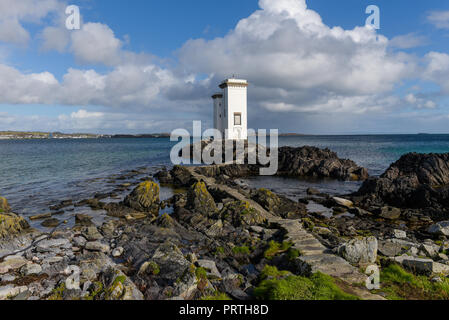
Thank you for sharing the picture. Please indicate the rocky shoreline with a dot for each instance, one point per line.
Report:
(224, 240)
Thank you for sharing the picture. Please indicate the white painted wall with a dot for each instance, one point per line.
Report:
(234, 101)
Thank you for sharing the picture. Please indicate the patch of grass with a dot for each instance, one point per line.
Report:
(217, 296)
(244, 250)
(275, 248)
(282, 285)
(398, 284)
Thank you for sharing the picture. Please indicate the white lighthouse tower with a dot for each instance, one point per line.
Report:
(231, 109)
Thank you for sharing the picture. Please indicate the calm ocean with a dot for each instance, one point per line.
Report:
(35, 174)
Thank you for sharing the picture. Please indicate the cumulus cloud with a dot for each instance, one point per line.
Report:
(440, 19)
(287, 49)
(96, 43)
(13, 13)
(300, 71)
(438, 69)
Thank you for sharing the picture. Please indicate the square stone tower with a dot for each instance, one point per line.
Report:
(231, 109)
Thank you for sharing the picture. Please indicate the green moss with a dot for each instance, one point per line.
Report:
(308, 223)
(281, 285)
(153, 268)
(275, 248)
(219, 251)
(57, 293)
(201, 273)
(244, 250)
(217, 296)
(398, 284)
(99, 289)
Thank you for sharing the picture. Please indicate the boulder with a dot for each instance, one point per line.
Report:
(171, 262)
(240, 213)
(359, 251)
(423, 266)
(278, 205)
(414, 181)
(390, 213)
(389, 248)
(343, 202)
(12, 263)
(144, 198)
(11, 224)
(210, 267)
(399, 234)
(31, 269)
(119, 286)
(441, 228)
(97, 246)
(200, 200)
(314, 162)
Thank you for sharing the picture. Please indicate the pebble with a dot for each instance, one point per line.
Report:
(117, 252)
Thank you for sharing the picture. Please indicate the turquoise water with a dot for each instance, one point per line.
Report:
(34, 174)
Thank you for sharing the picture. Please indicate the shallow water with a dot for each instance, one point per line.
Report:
(35, 174)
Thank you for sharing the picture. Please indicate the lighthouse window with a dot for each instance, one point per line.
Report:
(237, 119)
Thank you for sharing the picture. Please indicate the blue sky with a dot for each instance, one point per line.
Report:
(150, 66)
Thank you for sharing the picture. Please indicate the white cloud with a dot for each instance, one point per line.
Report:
(14, 12)
(408, 41)
(287, 49)
(55, 38)
(96, 43)
(437, 69)
(440, 19)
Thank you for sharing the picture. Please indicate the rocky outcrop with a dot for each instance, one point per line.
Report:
(200, 200)
(278, 205)
(11, 224)
(145, 198)
(240, 213)
(319, 163)
(414, 181)
(359, 251)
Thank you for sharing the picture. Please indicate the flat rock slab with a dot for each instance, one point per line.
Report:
(12, 264)
(8, 292)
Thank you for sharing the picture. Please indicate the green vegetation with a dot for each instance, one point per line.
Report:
(201, 273)
(57, 293)
(153, 268)
(275, 248)
(219, 251)
(244, 250)
(282, 285)
(399, 284)
(217, 296)
(292, 254)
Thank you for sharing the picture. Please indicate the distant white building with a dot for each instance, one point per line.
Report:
(230, 109)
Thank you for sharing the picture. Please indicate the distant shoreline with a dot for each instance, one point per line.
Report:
(31, 135)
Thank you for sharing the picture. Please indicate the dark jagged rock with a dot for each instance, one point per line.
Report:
(414, 181)
(144, 198)
(319, 163)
